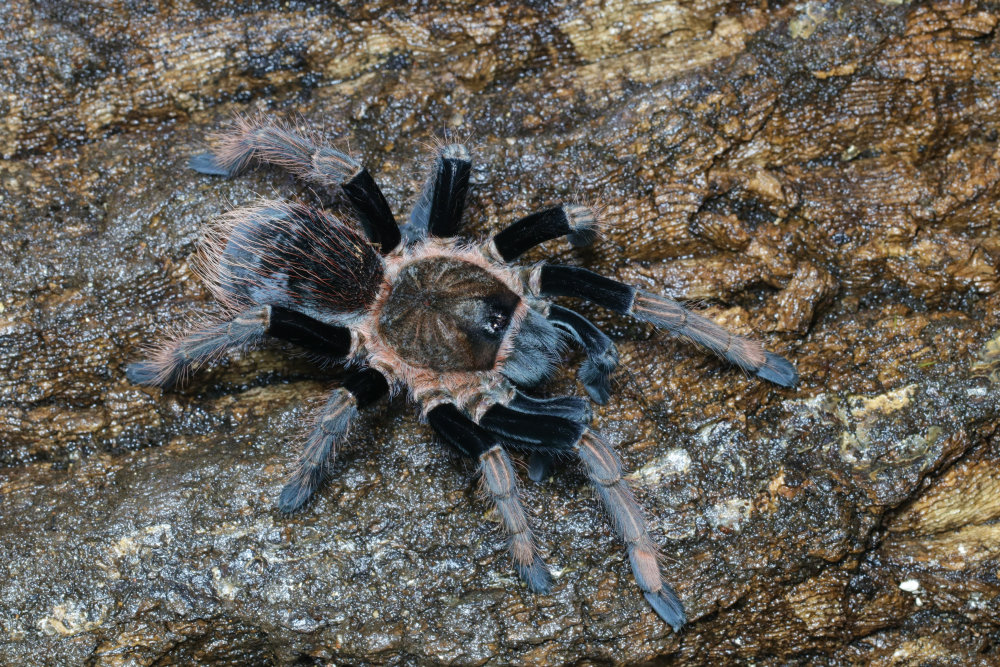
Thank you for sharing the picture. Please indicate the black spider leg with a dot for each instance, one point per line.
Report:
(567, 407)
(544, 434)
(359, 390)
(268, 142)
(373, 210)
(602, 355)
(669, 315)
(499, 483)
(441, 204)
(552, 434)
(173, 361)
(577, 223)
(534, 432)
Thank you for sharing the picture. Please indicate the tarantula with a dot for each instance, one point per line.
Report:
(457, 324)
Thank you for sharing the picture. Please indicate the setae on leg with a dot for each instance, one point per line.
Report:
(667, 314)
(605, 471)
(499, 484)
(579, 224)
(173, 361)
(602, 355)
(441, 205)
(266, 141)
(360, 390)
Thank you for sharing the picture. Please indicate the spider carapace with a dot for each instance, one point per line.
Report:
(459, 325)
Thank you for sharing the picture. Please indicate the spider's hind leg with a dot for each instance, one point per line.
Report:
(177, 358)
(276, 143)
(499, 484)
(605, 471)
(360, 390)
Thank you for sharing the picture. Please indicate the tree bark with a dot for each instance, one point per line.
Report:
(824, 176)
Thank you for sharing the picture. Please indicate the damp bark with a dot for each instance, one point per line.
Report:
(824, 176)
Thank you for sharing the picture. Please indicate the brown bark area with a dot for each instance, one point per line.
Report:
(826, 175)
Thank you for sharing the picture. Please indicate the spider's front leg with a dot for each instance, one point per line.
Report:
(499, 483)
(579, 224)
(439, 209)
(562, 407)
(175, 359)
(666, 314)
(360, 390)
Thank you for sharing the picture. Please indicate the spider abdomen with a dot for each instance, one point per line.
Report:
(291, 255)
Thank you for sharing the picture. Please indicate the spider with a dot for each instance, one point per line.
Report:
(457, 324)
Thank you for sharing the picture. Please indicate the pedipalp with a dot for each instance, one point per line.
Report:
(602, 355)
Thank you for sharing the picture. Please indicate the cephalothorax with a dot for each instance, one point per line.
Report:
(458, 325)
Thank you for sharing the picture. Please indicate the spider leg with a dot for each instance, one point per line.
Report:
(535, 432)
(174, 360)
(605, 471)
(577, 223)
(254, 138)
(539, 465)
(439, 209)
(499, 483)
(602, 355)
(548, 435)
(666, 314)
(567, 407)
(360, 390)
(308, 333)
